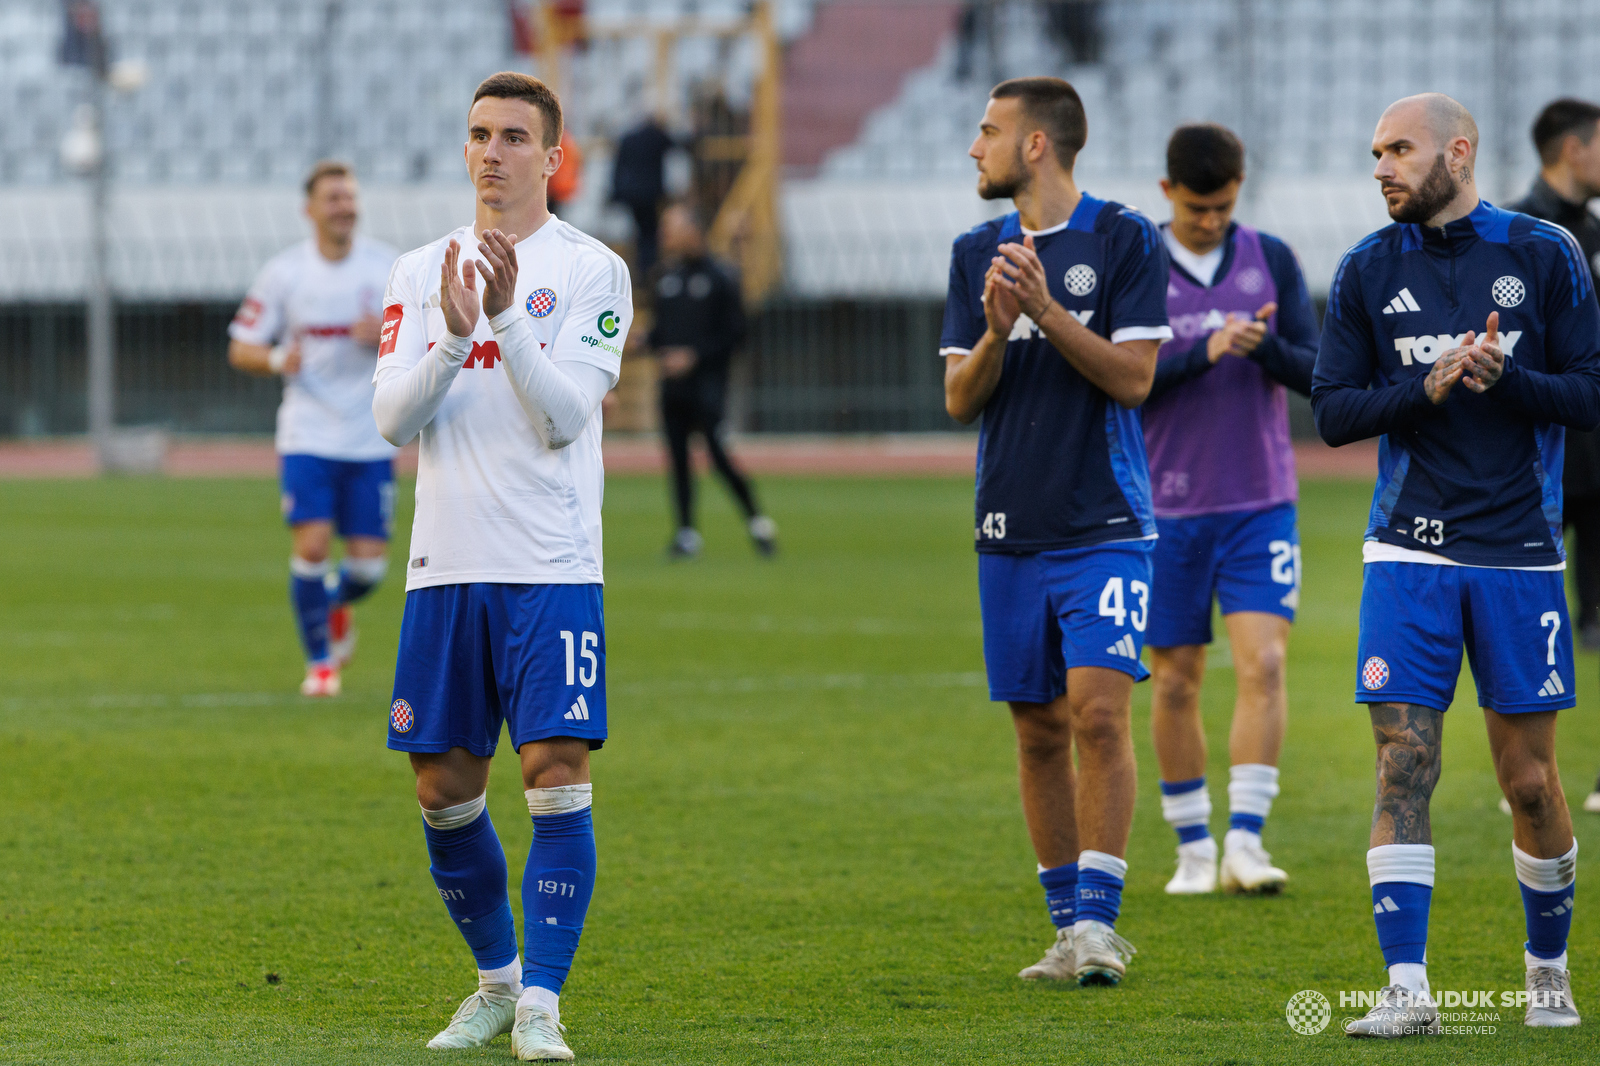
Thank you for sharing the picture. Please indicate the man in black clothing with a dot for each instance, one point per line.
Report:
(638, 181)
(1569, 177)
(699, 322)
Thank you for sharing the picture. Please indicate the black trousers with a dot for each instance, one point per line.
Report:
(1582, 515)
(690, 408)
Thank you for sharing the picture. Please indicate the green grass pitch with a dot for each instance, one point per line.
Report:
(810, 842)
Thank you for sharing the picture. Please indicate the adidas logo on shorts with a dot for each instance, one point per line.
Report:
(580, 710)
(1553, 685)
(1124, 647)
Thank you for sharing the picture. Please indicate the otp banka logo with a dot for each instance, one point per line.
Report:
(1427, 349)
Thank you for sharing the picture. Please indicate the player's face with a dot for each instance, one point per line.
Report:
(1416, 180)
(506, 156)
(1201, 221)
(334, 206)
(998, 149)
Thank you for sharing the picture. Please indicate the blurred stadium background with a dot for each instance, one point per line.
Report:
(826, 138)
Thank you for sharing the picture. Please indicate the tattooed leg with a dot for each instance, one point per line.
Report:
(1408, 738)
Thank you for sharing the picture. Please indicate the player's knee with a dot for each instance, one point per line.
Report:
(1175, 689)
(1100, 722)
(1405, 768)
(1264, 666)
(1531, 789)
(1041, 731)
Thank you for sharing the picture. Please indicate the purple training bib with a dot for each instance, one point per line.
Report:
(1220, 442)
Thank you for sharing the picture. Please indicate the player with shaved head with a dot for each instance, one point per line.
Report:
(1467, 338)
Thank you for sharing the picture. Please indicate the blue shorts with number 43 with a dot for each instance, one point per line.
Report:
(1047, 612)
(474, 656)
(1416, 618)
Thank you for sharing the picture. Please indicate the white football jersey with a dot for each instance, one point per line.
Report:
(299, 295)
(494, 503)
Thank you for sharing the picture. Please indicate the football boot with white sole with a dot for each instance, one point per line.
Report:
(1102, 956)
(322, 679)
(1398, 1012)
(1246, 866)
(1550, 1003)
(1197, 869)
(481, 1017)
(1059, 962)
(536, 1036)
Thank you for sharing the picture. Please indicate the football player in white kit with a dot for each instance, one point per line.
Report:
(503, 619)
(312, 316)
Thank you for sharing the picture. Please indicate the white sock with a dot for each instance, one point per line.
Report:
(1411, 976)
(535, 996)
(1204, 848)
(1251, 789)
(1533, 962)
(506, 980)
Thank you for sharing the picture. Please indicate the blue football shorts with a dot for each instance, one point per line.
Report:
(357, 497)
(1046, 612)
(1416, 617)
(1247, 560)
(473, 656)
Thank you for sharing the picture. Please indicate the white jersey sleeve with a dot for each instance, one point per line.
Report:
(263, 314)
(412, 377)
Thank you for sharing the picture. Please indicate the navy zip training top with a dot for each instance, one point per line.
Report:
(1476, 479)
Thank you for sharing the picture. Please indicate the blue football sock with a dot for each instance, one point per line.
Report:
(1548, 888)
(1251, 822)
(357, 578)
(309, 596)
(555, 895)
(1060, 893)
(1186, 805)
(1100, 878)
(1251, 789)
(469, 866)
(1400, 911)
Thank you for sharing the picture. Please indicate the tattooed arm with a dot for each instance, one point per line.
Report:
(1408, 738)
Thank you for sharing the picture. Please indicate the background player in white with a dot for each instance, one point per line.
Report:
(503, 618)
(312, 316)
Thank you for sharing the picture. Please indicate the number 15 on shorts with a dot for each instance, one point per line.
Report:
(584, 648)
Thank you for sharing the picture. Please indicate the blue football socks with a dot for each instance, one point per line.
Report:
(1548, 887)
(556, 885)
(1251, 789)
(1401, 876)
(1186, 805)
(1100, 878)
(309, 595)
(1060, 893)
(469, 867)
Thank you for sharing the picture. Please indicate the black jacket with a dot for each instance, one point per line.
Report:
(638, 174)
(1581, 475)
(698, 304)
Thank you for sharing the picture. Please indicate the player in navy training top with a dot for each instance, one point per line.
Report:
(1464, 541)
(1050, 333)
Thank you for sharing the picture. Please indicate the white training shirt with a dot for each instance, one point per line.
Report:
(495, 503)
(299, 295)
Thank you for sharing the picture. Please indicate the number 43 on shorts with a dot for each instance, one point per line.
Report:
(1111, 603)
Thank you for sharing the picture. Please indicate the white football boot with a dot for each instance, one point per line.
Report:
(536, 1036)
(322, 679)
(1197, 869)
(1550, 1003)
(1059, 962)
(764, 534)
(481, 1017)
(1397, 1013)
(1102, 955)
(1246, 866)
(1591, 802)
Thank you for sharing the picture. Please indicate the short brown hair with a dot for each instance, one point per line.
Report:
(510, 85)
(1559, 120)
(327, 168)
(1053, 106)
(1203, 157)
